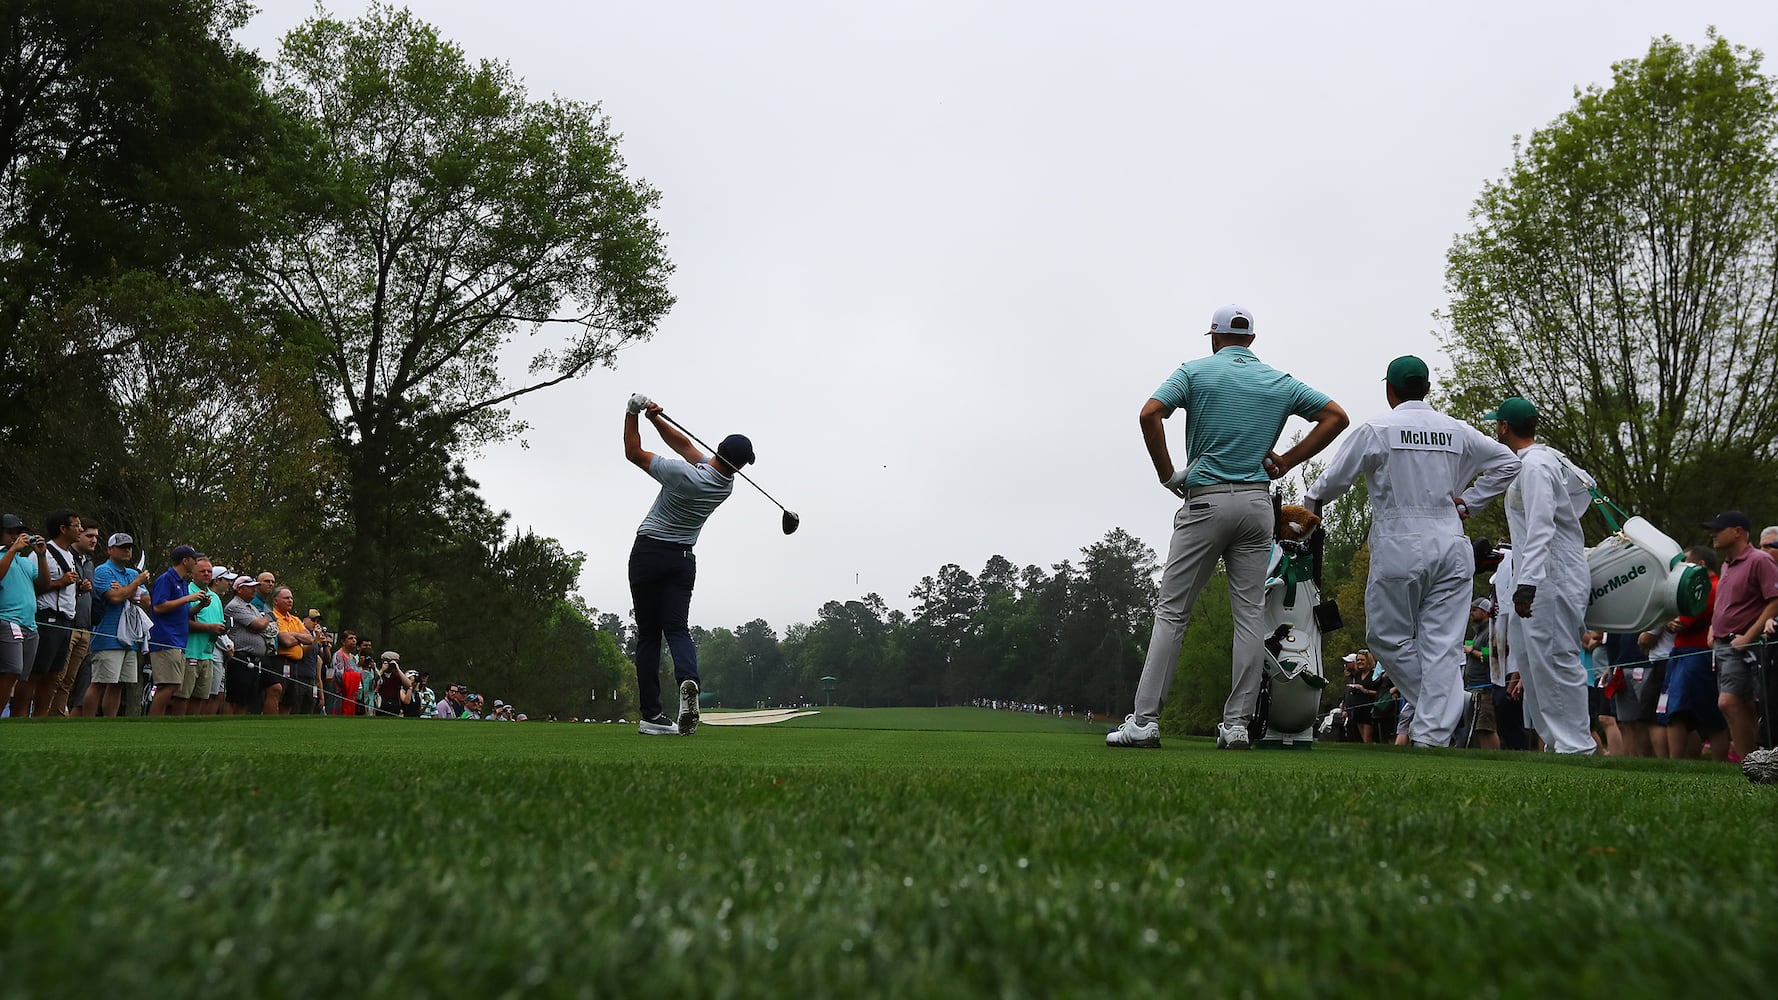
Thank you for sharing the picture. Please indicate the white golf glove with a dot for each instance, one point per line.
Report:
(638, 403)
(1176, 484)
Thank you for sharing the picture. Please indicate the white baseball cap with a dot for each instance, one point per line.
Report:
(1232, 319)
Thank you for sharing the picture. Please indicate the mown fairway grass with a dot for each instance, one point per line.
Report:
(339, 857)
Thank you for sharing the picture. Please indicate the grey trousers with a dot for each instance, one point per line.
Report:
(1236, 528)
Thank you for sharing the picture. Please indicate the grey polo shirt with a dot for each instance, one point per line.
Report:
(689, 495)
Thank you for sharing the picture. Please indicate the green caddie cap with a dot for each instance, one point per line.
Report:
(1405, 370)
(1515, 410)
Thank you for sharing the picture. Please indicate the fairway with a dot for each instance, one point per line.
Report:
(253, 857)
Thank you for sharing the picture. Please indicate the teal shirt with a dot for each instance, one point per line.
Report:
(1235, 408)
(202, 645)
(18, 592)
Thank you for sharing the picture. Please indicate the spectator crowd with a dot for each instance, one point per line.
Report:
(85, 637)
(1659, 693)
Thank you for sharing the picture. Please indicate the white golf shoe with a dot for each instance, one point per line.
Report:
(660, 725)
(1129, 734)
(1232, 737)
(688, 708)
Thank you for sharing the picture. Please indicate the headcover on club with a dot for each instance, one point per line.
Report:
(1297, 523)
(790, 522)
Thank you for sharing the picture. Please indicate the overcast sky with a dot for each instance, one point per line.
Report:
(933, 257)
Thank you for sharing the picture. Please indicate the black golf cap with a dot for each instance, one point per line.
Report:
(736, 450)
(1729, 519)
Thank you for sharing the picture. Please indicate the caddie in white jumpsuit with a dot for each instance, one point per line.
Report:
(1550, 579)
(1415, 460)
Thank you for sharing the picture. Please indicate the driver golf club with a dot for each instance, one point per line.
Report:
(790, 519)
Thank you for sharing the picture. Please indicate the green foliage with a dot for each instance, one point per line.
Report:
(1620, 276)
(133, 163)
(458, 859)
(456, 213)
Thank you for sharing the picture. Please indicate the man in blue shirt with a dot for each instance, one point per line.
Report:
(662, 567)
(1235, 408)
(170, 604)
(114, 661)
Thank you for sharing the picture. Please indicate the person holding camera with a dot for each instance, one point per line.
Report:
(170, 600)
(20, 575)
(394, 686)
(55, 616)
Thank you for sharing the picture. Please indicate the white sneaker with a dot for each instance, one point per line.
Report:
(660, 725)
(1232, 737)
(688, 708)
(1129, 734)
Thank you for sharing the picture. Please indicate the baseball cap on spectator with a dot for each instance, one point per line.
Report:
(1233, 320)
(184, 552)
(1349, 658)
(120, 541)
(1729, 519)
(314, 614)
(244, 582)
(392, 655)
(11, 522)
(499, 704)
(1483, 605)
(736, 450)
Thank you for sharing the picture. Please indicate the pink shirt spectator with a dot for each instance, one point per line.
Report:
(1747, 583)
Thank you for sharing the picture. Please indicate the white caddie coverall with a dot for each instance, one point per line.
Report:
(1415, 460)
(1543, 511)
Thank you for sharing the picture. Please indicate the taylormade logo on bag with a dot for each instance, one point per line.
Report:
(1618, 581)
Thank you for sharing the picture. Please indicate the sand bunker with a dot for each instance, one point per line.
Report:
(764, 718)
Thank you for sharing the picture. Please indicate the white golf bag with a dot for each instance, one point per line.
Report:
(1290, 692)
(1640, 577)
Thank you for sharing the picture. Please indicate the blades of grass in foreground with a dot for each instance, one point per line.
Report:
(292, 857)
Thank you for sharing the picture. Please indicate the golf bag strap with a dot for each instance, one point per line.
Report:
(1606, 507)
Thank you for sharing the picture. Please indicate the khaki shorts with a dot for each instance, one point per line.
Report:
(199, 676)
(1484, 711)
(114, 666)
(168, 666)
(1737, 671)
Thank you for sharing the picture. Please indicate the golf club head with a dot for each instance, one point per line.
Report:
(790, 522)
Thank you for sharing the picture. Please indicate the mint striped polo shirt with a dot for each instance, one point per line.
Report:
(1235, 408)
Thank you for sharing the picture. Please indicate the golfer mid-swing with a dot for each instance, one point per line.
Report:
(662, 567)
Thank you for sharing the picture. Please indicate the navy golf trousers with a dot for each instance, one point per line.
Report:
(661, 577)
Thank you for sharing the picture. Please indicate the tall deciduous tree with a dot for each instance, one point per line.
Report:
(1623, 275)
(460, 213)
(139, 153)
